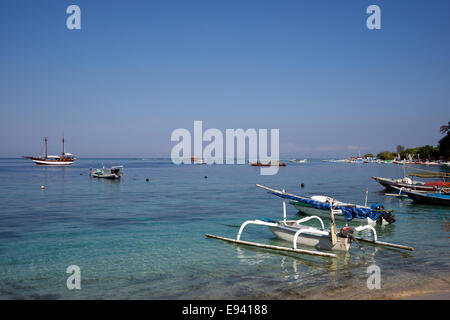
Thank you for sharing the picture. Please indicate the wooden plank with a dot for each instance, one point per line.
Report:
(332, 226)
(268, 246)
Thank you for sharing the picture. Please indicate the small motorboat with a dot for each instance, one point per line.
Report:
(112, 173)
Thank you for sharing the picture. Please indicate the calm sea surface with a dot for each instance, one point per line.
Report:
(135, 239)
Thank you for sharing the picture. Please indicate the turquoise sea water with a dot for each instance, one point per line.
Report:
(135, 239)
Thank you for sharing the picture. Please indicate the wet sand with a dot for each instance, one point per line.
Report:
(423, 288)
(444, 295)
(427, 289)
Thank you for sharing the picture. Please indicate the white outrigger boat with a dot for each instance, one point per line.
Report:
(298, 233)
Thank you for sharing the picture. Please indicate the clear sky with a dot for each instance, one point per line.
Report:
(137, 70)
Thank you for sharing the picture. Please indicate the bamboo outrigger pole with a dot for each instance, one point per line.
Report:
(268, 246)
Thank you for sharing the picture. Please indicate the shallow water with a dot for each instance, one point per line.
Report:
(135, 239)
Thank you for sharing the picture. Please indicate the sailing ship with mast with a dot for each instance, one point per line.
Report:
(66, 159)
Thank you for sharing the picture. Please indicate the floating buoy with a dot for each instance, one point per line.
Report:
(42, 187)
(302, 185)
(147, 179)
(206, 177)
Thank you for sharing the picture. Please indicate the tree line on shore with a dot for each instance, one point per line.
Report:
(427, 152)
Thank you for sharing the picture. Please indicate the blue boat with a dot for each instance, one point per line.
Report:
(320, 206)
(442, 199)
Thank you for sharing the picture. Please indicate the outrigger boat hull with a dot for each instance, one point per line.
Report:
(429, 198)
(287, 233)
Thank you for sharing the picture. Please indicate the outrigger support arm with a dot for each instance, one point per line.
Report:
(361, 228)
(258, 222)
(309, 218)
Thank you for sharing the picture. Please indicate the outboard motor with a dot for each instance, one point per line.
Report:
(347, 232)
(388, 216)
(384, 214)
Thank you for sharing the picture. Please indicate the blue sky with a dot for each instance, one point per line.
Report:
(137, 70)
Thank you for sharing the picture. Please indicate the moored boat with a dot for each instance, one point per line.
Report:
(408, 183)
(437, 198)
(66, 159)
(298, 161)
(112, 173)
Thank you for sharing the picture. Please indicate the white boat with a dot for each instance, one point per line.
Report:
(112, 173)
(197, 160)
(298, 161)
(298, 233)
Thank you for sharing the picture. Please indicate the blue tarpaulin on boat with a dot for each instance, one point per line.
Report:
(349, 212)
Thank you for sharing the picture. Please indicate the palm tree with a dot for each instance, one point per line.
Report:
(445, 128)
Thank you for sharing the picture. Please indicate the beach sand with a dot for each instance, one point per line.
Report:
(394, 288)
(428, 289)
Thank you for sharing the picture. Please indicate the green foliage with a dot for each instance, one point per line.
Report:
(386, 155)
(368, 155)
(444, 146)
(424, 152)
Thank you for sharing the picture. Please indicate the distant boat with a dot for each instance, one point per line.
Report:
(267, 164)
(112, 173)
(298, 161)
(66, 159)
(197, 160)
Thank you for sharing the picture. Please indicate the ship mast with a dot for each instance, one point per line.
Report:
(63, 146)
(45, 140)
